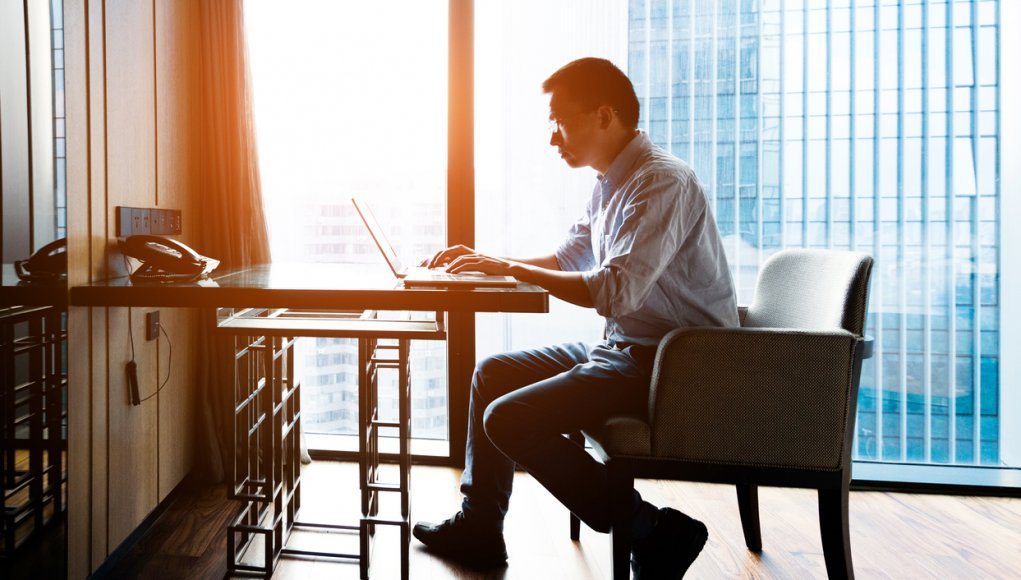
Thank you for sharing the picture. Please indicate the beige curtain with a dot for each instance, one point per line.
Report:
(226, 183)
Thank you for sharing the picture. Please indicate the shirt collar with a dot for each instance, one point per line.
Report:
(620, 169)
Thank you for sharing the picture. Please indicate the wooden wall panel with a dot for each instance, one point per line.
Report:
(178, 417)
(79, 330)
(177, 400)
(131, 180)
(96, 236)
(127, 98)
(99, 468)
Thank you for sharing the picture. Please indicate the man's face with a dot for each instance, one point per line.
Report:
(574, 130)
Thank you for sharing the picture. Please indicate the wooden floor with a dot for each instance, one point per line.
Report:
(892, 535)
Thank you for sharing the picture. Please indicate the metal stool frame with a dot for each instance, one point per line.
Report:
(33, 418)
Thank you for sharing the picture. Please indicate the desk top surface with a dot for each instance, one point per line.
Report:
(14, 292)
(310, 286)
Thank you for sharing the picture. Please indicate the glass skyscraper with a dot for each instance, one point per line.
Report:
(870, 125)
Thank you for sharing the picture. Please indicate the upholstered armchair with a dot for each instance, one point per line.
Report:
(770, 403)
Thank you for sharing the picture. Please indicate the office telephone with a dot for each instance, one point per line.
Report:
(165, 260)
(49, 263)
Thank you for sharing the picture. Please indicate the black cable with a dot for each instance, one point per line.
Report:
(131, 336)
(170, 358)
(131, 368)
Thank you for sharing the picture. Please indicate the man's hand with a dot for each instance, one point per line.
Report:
(461, 258)
(446, 256)
(481, 263)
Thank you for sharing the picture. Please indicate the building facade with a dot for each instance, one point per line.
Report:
(870, 125)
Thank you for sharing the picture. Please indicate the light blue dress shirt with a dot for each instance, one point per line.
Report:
(649, 248)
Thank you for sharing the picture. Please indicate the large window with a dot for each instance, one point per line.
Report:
(874, 125)
(350, 100)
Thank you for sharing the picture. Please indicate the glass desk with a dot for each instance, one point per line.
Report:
(264, 308)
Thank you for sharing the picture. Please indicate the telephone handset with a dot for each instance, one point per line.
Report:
(165, 260)
(49, 263)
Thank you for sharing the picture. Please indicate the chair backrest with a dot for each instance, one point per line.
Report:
(812, 289)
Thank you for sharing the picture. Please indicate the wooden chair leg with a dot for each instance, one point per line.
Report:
(620, 541)
(748, 506)
(578, 438)
(621, 488)
(836, 541)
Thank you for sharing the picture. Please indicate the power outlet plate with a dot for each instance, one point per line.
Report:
(152, 325)
(133, 221)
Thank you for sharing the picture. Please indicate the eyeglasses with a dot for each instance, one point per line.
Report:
(556, 124)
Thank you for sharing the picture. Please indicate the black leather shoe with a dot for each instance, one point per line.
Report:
(464, 541)
(670, 549)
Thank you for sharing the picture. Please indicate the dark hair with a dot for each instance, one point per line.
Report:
(593, 82)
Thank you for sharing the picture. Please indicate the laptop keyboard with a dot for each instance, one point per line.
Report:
(442, 276)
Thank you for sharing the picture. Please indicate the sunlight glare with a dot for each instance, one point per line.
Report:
(350, 99)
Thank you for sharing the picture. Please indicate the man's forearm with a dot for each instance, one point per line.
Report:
(548, 262)
(568, 286)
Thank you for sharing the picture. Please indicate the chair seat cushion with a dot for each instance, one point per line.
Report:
(621, 436)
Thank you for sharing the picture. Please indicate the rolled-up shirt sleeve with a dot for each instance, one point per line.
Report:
(575, 252)
(650, 235)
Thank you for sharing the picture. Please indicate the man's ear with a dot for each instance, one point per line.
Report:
(606, 115)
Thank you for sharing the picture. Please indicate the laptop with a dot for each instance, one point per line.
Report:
(424, 277)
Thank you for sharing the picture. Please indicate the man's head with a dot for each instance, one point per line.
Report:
(593, 112)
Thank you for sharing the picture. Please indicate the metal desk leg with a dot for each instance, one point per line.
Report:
(265, 473)
(371, 360)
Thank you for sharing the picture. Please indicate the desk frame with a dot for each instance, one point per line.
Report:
(267, 421)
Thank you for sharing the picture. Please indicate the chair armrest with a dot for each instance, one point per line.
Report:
(758, 396)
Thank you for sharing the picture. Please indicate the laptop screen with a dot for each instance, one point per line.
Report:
(380, 238)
